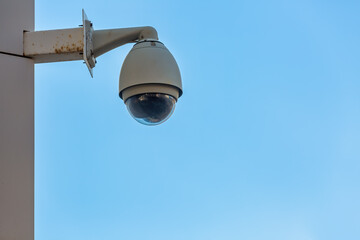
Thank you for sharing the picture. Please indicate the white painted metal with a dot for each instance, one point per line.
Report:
(54, 45)
(108, 39)
(80, 43)
(88, 53)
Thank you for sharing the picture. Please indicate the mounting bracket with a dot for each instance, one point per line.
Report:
(88, 51)
(82, 43)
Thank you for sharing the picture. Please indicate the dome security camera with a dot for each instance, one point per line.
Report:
(150, 82)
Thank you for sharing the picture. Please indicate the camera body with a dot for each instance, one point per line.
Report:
(150, 82)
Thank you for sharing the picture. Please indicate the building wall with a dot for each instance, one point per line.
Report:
(16, 123)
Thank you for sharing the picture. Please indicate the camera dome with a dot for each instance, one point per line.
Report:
(151, 108)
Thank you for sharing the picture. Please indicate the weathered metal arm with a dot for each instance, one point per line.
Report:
(81, 43)
(54, 45)
(68, 44)
(106, 40)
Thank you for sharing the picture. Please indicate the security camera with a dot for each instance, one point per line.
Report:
(150, 81)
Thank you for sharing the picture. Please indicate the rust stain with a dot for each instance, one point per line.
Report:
(68, 48)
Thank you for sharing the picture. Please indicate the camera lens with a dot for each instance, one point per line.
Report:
(151, 108)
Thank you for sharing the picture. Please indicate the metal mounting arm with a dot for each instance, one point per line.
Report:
(81, 43)
(106, 40)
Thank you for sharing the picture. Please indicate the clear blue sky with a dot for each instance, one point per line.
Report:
(264, 143)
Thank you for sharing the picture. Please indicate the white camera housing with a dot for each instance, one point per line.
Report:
(151, 73)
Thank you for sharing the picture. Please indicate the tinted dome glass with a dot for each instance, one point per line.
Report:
(151, 108)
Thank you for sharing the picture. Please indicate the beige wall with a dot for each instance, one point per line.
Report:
(16, 123)
(15, 17)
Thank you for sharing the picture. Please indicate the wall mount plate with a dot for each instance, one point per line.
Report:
(88, 50)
